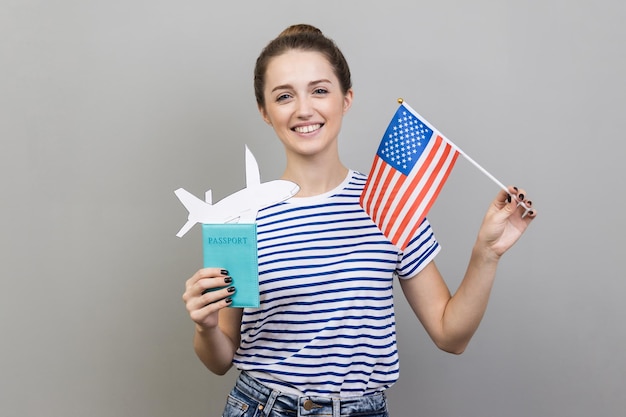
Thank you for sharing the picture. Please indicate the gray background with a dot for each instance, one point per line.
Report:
(106, 107)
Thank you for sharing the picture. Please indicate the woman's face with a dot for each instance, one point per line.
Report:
(304, 102)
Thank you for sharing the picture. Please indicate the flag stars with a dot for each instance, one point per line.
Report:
(404, 141)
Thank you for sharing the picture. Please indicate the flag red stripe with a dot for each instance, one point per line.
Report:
(372, 184)
(419, 198)
(442, 182)
(410, 193)
(381, 200)
(393, 196)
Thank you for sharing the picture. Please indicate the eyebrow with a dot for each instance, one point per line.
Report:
(289, 86)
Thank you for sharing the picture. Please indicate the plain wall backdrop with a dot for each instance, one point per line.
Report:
(106, 107)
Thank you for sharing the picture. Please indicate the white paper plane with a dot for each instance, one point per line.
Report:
(240, 207)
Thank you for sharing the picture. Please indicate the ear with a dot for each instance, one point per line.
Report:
(264, 114)
(347, 100)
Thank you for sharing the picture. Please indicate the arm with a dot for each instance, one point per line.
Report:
(217, 336)
(451, 321)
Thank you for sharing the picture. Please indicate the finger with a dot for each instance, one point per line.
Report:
(524, 204)
(214, 272)
(221, 297)
(515, 194)
(210, 296)
(506, 203)
(530, 211)
(209, 284)
(204, 280)
(205, 273)
(504, 197)
(204, 285)
(211, 273)
(511, 194)
(201, 314)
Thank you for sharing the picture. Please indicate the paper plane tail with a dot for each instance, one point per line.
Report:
(194, 205)
(190, 201)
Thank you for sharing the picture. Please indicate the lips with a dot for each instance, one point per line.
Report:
(307, 128)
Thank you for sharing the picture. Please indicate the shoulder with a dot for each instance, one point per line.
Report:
(356, 179)
(358, 175)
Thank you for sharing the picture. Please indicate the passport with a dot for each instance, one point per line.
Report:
(233, 246)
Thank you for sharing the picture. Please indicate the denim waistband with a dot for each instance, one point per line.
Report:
(370, 404)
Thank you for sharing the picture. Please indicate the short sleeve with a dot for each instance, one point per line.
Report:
(422, 249)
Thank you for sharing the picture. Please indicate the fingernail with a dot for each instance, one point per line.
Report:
(508, 198)
(228, 280)
(529, 203)
(228, 300)
(521, 196)
(531, 213)
(515, 188)
(224, 272)
(231, 289)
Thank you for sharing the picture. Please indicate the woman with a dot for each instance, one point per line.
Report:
(323, 341)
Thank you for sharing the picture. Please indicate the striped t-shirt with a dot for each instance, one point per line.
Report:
(326, 323)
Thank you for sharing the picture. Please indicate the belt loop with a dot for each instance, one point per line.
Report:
(336, 407)
(270, 403)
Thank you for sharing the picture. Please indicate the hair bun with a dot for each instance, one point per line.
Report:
(301, 28)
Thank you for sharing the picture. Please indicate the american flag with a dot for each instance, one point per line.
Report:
(410, 168)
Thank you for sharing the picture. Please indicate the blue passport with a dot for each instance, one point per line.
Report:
(234, 247)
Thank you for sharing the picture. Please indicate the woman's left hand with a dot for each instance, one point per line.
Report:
(505, 221)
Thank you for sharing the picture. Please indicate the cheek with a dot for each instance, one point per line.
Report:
(277, 117)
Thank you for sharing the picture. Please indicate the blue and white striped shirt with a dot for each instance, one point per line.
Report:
(326, 323)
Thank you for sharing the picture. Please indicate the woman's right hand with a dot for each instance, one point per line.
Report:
(207, 292)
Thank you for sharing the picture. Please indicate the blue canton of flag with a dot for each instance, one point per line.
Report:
(405, 140)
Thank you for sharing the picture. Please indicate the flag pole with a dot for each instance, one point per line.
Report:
(471, 161)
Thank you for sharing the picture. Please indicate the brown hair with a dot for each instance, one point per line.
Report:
(306, 38)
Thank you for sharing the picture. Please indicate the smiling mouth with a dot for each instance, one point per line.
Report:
(308, 128)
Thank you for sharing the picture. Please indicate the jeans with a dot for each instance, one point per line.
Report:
(250, 398)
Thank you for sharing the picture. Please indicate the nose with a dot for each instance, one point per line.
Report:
(304, 108)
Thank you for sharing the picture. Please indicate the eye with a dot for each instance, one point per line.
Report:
(283, 97)
(320, 91)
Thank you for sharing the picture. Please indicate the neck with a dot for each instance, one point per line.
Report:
(315, 176)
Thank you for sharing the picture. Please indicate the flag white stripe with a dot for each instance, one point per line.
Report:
(380, 201)
(368, 198)
(430, 196)
(415, 191)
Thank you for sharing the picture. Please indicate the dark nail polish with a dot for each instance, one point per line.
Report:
(529, 203)
(515, 188)
(231, 289)
(228, 280)
(224, 272)
(228, 300)
(508, 198)
(521, 196)
(531, 213)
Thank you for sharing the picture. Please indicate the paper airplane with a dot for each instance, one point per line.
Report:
(240, 207)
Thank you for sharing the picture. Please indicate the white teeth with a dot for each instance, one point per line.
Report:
(307, 129)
